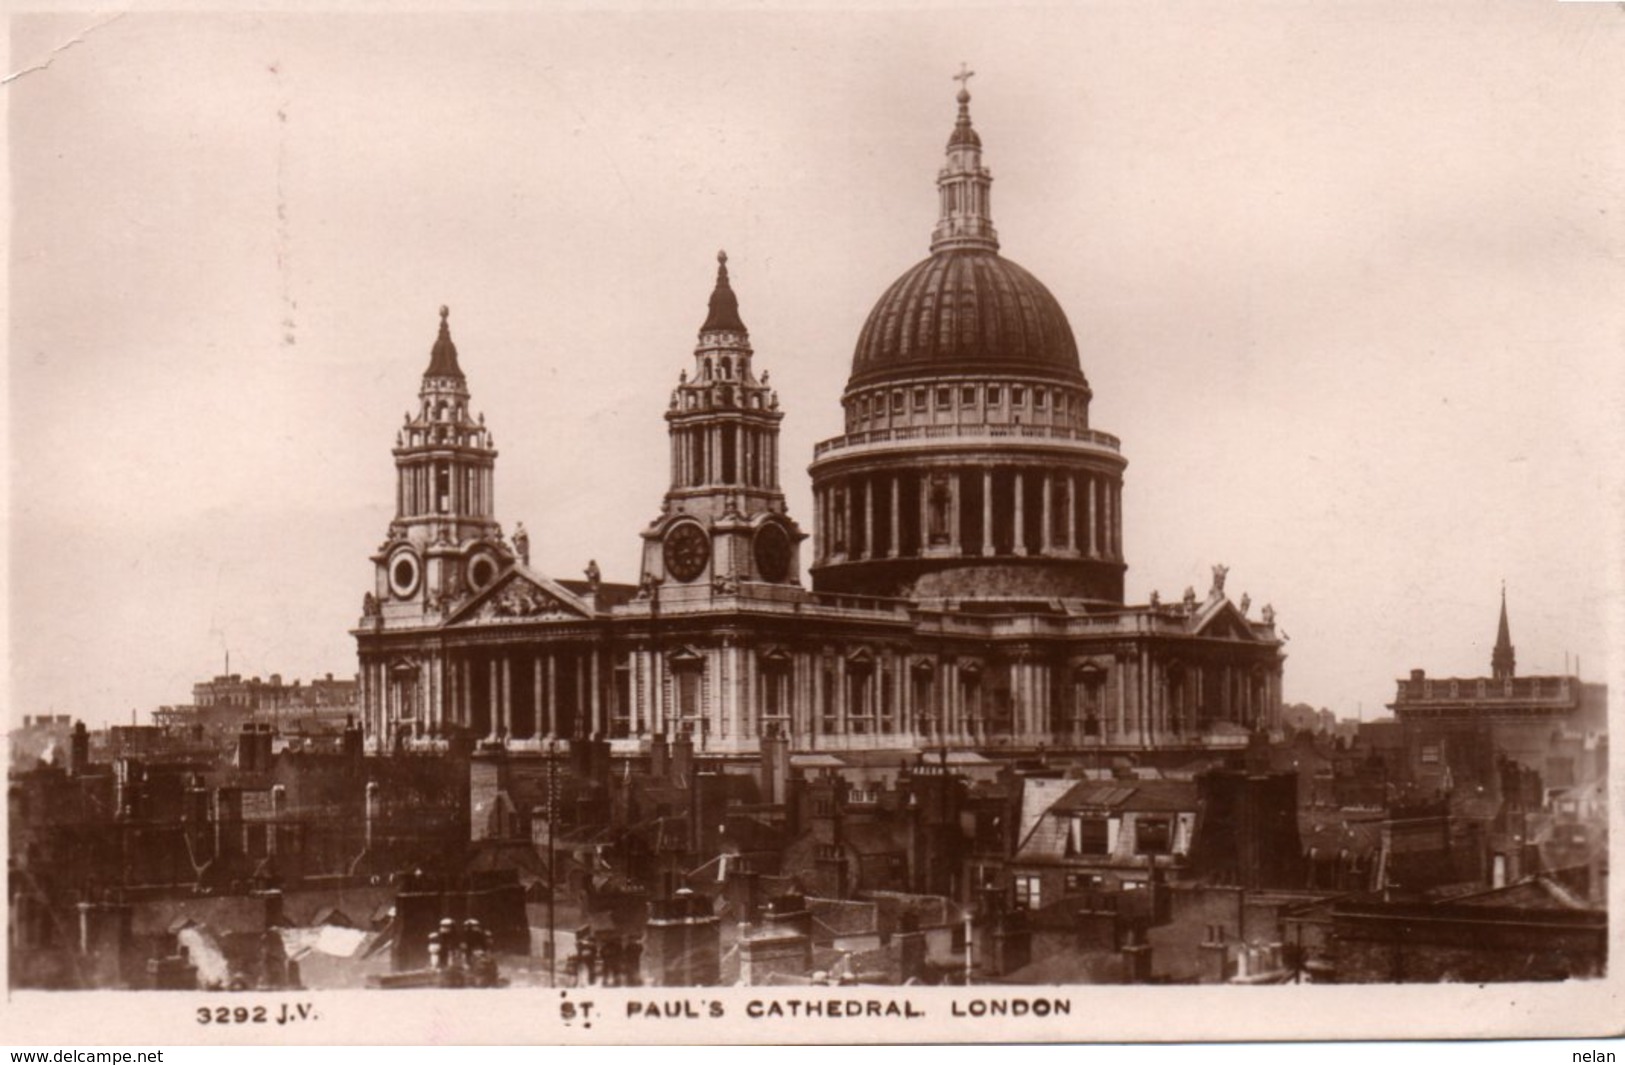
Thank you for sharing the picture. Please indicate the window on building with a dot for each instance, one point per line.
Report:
(687, 682)
(1028, 891)
(1018, 395)
(919, 399)
(945, 397)
(1088, 835)
(922, 697)
(859, 706)
(775, 690)
(897, 402)
(1041, 399)
(995, 396)
(1153, 835)
(1078, 883)
(967, 396)
(1430, 754)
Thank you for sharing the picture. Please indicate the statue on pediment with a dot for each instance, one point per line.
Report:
(1156, 599)
(521, 543)
(1245, 604)
(594, 576)
(369, 605)
(1220, 571)
(1268, 614)
(1190, 597)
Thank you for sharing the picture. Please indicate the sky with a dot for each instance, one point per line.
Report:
(1344, 278)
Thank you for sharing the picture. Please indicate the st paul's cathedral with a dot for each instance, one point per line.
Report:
(965, 559)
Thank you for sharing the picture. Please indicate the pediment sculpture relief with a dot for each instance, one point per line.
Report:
(521, 600)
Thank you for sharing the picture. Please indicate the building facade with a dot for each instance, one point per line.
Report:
(966, 574)
(1457, 729)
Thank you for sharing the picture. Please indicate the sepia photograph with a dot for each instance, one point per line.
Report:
(841, 523)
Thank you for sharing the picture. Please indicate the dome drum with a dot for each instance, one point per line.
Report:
(886, 525)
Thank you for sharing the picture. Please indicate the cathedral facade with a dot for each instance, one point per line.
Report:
(964, 589)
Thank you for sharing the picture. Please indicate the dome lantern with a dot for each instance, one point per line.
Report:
(964, 185)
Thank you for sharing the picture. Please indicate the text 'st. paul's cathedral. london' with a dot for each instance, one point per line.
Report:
(965, 556)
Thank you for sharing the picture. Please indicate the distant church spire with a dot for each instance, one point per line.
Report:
(964, 185)
(1502, 662)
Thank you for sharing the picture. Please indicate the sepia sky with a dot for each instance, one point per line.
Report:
(1346, 280)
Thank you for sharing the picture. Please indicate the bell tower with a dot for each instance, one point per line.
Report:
(444, 543)
(722, 520)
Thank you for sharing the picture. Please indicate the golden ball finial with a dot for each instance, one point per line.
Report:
(445, 312)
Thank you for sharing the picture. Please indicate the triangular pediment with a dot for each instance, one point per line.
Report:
(521, 595)
(1222, 621)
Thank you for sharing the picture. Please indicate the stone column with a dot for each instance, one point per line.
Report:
(657, 692)
(843, 723)
(1111, 540)
(494, 700)
(847, 526)
(869, 517)
(892, 549)
(987, 510)
(1048, 512)
(1117, 521)
(552, 696)
(536, 719)
(1072, 513)
(953, 512)
(597, 702)
(815, 717)
(507, 696)
(1019, 530)
(925, 514)
(1094, 526)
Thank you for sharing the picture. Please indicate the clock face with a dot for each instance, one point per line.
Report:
(688, 549)
(772, 549)
(403, 574)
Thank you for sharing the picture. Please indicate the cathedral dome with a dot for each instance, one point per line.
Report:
(965, 310)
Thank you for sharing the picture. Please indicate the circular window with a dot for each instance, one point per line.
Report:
(772, 550)
(482, 571)
(687, 550)
(403, 574)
